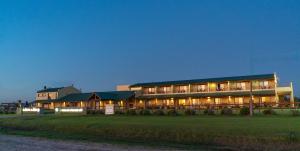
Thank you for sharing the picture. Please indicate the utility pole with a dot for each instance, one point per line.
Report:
(251, 99)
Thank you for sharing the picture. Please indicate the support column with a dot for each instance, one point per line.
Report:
(228, 84)
(292, 99)
(208, 89)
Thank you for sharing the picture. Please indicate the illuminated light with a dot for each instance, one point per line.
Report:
(213, 85)
(69, 110)
(110, 102)
(208, 97)
(141, 101)
(31, 110)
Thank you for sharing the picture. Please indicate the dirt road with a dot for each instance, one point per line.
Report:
(18, 143)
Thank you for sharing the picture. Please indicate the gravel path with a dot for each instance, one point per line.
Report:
(19, 143)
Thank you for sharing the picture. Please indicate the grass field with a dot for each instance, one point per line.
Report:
(236, 131)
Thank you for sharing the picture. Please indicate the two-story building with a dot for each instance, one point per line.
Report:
(213, 92)
(46, 96)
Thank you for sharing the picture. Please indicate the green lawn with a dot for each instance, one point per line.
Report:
(196, 130)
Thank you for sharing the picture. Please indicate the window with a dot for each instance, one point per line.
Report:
(221, 87)
(239, 100)
(181, 89)
(150, 91)
(264, 84)
(42, 94)
(165, 90)
(241, 86)
(217, 100)
(182, 102)
(200, 88)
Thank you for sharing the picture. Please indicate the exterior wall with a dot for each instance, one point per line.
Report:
(211, 87)
(123, 88)
(46, 96)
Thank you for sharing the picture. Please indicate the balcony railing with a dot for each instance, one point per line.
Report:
(206, 90)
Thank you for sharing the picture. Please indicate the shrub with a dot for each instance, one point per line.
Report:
(172, 112)
(190, 112)
(269, 112)
(119, 112)
(145, 112)
(92, 112)
(226, 111)
(159, 112)
(209, 112)
(295, 112)
(245, 111)
(131, 112)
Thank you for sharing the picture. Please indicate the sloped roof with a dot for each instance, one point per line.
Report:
(112, 95)
(76, 97)
(50, 90)
(115, 95)
(223, 79)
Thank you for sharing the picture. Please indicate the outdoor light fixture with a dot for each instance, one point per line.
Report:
(31, 110)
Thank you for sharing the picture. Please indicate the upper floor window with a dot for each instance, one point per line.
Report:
(150, 90)
(181, 89)
(242, 86)
(264, 84)
(201, 88)
(42, 94)
(221, 87)
(164, 90)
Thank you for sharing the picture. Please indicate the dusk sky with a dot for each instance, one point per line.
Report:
(97, 45)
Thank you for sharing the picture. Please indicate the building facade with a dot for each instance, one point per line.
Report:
(239, 91)
(52, 94)
(214, 92)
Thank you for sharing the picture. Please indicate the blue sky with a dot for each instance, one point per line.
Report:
(99, 44)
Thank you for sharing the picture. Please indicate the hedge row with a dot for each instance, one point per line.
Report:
(190, 112)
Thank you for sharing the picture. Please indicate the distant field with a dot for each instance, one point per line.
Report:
(236, 131)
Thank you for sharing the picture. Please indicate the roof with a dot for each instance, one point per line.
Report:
(112, 95)
(181, 82)
(50, 90)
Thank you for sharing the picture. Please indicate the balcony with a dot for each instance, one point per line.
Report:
(181, 91)
(164, 92)
(148, 93)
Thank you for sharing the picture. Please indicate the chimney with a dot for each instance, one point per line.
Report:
(45, 87)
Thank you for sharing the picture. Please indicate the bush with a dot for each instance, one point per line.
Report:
(295, 112)
(245, 111)
(172, 112)
(269, 112)
(159, 112)
(91, 112)
(226, 111)
(145, 112)
(189, 112)
(119, 112)
(131, 112)
(209, 112)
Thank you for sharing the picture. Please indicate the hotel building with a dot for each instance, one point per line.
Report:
(214, 92)
(200, 93)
